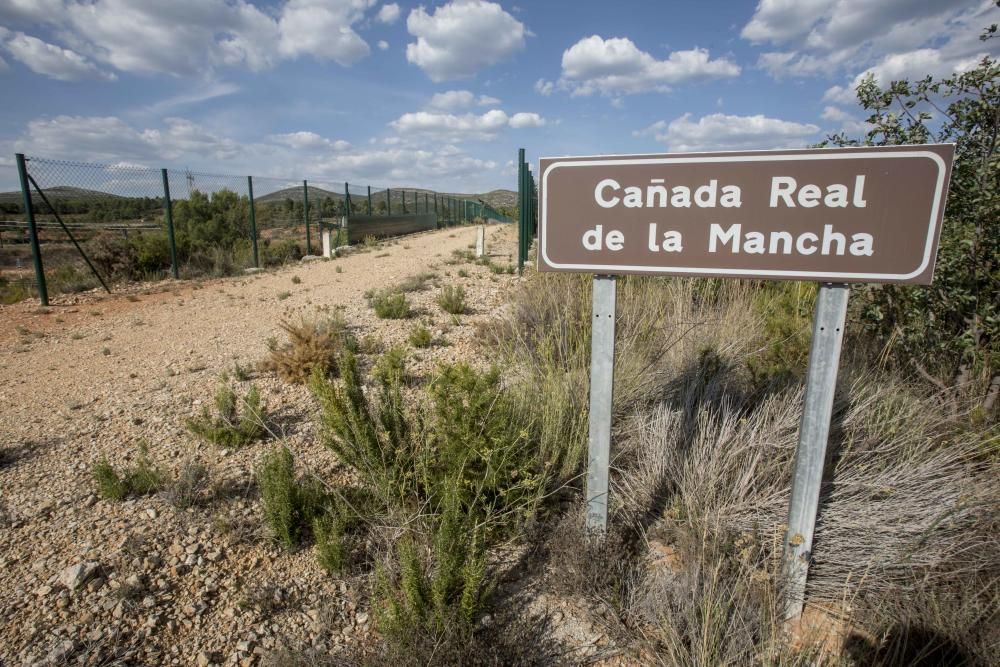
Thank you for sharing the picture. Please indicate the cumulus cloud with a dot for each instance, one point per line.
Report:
(51, 60)
(523, 119)
(189, 37)
(543, 87)
(468, 126)
(617, 66)
(462, 37)
(729, 132)
(383, 45)
(310, 141)
(452, 99)
(889, 38)
(388, 13)
(455, 127)
(488, 100)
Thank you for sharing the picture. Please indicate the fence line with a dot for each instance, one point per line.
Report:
(185, 223)
(527, 207)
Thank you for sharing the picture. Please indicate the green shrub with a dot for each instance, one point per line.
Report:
(109, 485)
(452, 299)
(391, 366)
(237, 421)
(142, 479)
(420, 336)
(390, 305)
(279, 491)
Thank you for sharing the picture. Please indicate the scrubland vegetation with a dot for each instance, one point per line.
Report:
(466, 504)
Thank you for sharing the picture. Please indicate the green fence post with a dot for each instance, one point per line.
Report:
(369, 200)
(29, 212)
(435, 202)
(305, 215)
(388, 202)
(253, 222)
(168, 216)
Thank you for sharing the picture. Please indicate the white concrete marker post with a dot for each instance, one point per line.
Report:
(602, 381)
(480, 241)
(814, 434)
(327, 242)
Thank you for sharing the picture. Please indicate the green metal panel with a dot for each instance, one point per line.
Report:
(29, 212)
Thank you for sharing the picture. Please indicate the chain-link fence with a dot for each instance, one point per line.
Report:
(71, 226)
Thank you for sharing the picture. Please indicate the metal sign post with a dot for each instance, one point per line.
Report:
(602, 374)
(814, 434)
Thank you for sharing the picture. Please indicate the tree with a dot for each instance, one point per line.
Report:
(949, 331)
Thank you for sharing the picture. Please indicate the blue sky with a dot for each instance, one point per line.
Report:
(442, 94)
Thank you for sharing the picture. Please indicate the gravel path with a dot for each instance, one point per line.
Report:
(96, 376)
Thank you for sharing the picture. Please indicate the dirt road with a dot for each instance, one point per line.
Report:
(96, 376)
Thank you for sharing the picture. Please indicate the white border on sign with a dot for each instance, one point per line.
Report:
(777, 157)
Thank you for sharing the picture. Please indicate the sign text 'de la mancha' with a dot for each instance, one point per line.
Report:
(829, 215)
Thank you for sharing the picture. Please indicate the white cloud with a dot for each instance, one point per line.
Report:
(200, 93)
(521, 120)
(455, 127)
(617, 66)
(462, 37)
(488, 101)
(835, 114)
(310, 141)
(3, 64)
(194, 37)
(181, 143)
(452, 99)
(383, 45)
(321, 28)
(110, 139)
(51, 60)
(388, 13)
(716, 132)
(543, 87)
(902, 38)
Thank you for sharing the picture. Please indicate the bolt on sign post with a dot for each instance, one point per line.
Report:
(833, 216)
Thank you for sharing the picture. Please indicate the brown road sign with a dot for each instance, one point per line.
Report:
(829, 215)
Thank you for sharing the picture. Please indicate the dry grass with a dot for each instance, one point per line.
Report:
(313, 344)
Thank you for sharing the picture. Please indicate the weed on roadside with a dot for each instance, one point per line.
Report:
(238, 420)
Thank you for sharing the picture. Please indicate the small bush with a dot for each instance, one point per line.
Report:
(390, 305)
(238, 420)
(391, 366)
(144, 478)
(462, 273)
(420, 336)
(416, 283)
(313, 344)
(296, 280)
(190, 487)
(109, 485)
(292, 506)
(452, 299)
(283, 295)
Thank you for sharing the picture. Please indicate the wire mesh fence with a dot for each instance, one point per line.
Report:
(91, 225)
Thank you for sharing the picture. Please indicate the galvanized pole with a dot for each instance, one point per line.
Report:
(29, 213)
(369, 200)
(814, 432)
(522, 214)
(168, 216)
(602, 380)
(253, 222)
(305, 215)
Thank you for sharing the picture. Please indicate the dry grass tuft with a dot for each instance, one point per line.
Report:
(313, 344)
